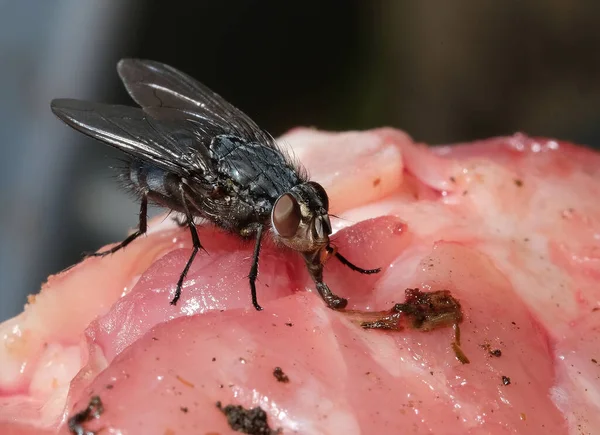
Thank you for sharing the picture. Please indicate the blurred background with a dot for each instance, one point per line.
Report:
(443, 71)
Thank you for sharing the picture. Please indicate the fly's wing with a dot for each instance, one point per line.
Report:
(176, 125)
(156, 87)
(173, 144)
(167, 93)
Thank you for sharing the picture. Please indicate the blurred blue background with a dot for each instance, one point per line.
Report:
(442, 71)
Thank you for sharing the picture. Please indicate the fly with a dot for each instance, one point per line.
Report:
(194, 153)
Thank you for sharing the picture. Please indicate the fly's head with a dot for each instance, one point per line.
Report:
(300, 218)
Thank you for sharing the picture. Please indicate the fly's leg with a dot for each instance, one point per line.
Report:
(315, 269)
(332, 300)
(195, 242)
(254, 268)
(142, 227)
(355, 268)
(196, 247)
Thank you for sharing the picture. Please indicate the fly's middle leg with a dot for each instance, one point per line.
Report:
(254, 268)
(196, 245)
(142, 227)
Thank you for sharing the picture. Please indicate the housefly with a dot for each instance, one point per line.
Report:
(191, 151)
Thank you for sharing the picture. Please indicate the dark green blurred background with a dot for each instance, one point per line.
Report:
(443, 71)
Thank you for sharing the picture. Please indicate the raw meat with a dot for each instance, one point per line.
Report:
(510, 226)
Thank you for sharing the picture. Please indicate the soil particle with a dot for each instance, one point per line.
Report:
(250, 421)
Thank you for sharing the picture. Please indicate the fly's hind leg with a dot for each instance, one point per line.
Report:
(142, 227)
(195, 243)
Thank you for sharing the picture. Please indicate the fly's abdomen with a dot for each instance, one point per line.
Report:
(160, 186)
(149, 177)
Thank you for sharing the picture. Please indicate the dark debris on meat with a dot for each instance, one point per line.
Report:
(249, 421)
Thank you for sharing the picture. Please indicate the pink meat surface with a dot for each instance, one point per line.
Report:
(511, 226)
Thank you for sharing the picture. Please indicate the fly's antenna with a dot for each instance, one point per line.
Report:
(340, 218)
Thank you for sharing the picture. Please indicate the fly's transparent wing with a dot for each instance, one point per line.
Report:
(173, 143)
(156, 86)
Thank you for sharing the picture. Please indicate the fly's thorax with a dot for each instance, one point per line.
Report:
(257, 170)
(300, 219)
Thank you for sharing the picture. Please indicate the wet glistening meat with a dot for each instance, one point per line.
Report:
(508, 228)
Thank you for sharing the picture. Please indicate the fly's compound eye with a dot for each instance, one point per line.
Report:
(322, 226)
(286, 215)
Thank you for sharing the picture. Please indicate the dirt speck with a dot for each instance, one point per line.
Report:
(280, 375)
(505, 380)
(184, 409)
(94, 410)
(492, 352)
(376, 182)
(251, 421)
(518, 182)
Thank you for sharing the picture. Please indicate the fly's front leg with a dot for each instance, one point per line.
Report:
(315, 269)
(142, 227)
(195, 243)
(333, 301)
(355, 268)
(254, 268)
